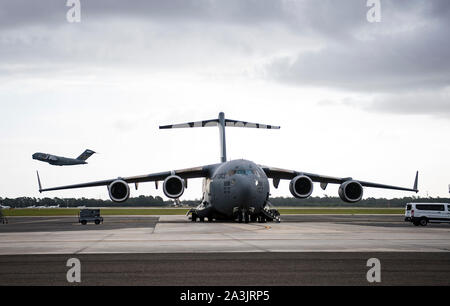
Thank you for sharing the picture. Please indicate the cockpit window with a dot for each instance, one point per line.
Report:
(242, 172)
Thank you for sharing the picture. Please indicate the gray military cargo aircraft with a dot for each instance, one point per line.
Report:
(63, 161)
(236, 189)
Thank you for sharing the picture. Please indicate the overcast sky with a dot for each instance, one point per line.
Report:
(353, 98)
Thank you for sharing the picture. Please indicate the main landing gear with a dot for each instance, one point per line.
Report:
(195, 217)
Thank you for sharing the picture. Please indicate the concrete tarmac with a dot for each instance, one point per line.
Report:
(175, 234)
(170, 250)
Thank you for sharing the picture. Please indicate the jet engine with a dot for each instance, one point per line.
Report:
(173, 187)
(301, 186)
(351, 192)
(119, 191)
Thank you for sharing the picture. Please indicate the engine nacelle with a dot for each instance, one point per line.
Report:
(119, 191)
(173, 187)
(351, 192)
(301, 186)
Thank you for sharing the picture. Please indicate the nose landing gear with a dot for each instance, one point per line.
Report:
(242, 216)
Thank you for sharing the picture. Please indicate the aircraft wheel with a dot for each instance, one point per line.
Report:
(253, 218)
(240, 217)
(423, 222)
(210, 219)
(202, 219)
(246, 217)
(194, 218)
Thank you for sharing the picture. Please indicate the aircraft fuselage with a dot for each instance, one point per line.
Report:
(57, 160)
(238, 185)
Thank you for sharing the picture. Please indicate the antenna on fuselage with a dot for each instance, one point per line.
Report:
(221, 122)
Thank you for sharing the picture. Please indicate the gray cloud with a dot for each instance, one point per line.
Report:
(323, 43)
(22, 12)
(407, 52)
(417, 103)
(404, 61)
(387, 64)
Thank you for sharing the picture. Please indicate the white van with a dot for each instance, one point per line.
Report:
(422, 213)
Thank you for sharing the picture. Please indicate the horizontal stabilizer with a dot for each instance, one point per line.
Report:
(236, 123)
(222, 123)
(204, 123)
(215, 122)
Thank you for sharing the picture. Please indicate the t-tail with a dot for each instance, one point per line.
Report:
(221, 122)
(85, 155)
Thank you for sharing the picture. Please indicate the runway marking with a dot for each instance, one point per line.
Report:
(246, 227)
(88, 246)
(247, 243)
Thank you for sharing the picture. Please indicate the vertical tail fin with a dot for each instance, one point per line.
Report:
(221, 122)
(85, 155)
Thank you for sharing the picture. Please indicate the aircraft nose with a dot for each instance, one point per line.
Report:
(246, 190)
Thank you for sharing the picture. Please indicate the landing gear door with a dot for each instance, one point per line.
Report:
(207, 194)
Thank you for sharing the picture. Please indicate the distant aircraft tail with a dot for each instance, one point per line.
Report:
(85, 155)
(221, 122)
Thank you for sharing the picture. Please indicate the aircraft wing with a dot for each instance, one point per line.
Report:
(196, 172)
(283, 174)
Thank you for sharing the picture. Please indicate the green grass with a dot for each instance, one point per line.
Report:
(182, 211)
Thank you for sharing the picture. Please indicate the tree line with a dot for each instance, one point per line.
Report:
(150, 201)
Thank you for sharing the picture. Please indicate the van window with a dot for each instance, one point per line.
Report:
(430, 207)
(408, 207)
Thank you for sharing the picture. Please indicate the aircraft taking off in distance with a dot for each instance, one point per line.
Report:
(236, 189)
(63, 161)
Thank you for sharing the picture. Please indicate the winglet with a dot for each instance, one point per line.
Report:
(39, 181)
(416, 182)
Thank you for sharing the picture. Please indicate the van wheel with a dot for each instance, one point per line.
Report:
(83, 222)
(97, 222)
(423, 221)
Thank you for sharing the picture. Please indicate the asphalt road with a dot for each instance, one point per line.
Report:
(40, 224)
(228, 269)
(57, 224)
(261, 264)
